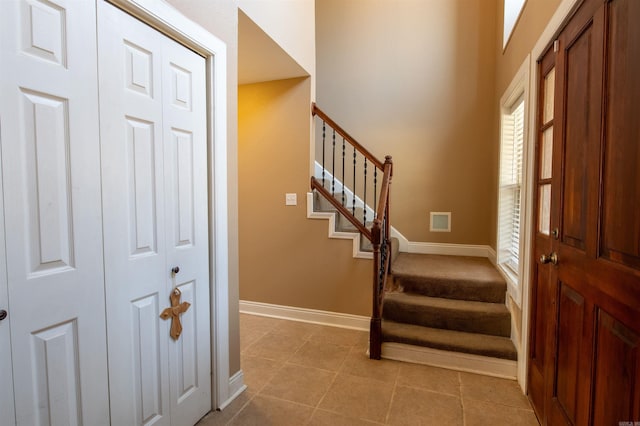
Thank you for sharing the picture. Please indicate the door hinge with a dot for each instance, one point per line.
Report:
(556, 46)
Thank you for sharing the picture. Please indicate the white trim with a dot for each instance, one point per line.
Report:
(432, 215)
(236, 387)
(519, 86)
(313, 316)
(331, 217)
(478, 364)
(403, 243)
(565, 8)
(172, 23)
(452, 249)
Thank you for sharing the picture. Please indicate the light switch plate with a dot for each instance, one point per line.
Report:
(291, 199)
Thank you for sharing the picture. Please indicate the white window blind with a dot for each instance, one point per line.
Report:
(511, 148)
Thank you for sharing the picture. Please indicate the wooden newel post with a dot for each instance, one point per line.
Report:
(375, 333)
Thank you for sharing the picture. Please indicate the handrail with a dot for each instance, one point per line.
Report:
(317, 111)
(343, 210)
(379, 234)
(384, 190)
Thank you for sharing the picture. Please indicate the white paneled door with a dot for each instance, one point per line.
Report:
(154, 176)
(103, 215)
(52, 214)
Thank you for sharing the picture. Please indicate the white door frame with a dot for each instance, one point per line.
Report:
(564, 10)
(173, 24)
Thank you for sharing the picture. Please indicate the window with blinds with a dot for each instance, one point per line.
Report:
(511, 148)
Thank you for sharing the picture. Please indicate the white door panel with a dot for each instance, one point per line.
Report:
(184, 120)
(134, 218)
(154, 168)
(7, 407)
(50, 154)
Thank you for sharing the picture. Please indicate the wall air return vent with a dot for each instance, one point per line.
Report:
(440, 222)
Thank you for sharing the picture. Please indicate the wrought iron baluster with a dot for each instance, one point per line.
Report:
(364, 218)
(375, 192)
(353, 208)
(343, 180)
(333, 165)
(323, 139)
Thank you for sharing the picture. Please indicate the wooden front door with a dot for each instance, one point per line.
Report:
(584, 360)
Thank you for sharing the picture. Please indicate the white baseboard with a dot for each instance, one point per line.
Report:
(236, 387)
(334, 319)
(477, 364)
(453, 249)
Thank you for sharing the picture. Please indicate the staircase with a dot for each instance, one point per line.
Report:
(452, 304)
(449, 303)
(441, 310)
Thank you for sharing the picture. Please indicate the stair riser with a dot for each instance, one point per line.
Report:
(496, 324)
(513, 356)
(448, 340)
(452, 290)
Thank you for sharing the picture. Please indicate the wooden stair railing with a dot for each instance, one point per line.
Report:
(379, 232)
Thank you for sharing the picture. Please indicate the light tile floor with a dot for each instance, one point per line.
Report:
(307, 374)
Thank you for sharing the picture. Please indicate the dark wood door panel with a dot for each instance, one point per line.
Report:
(577, 112)
(621, 189)
(617, 372)
(543, 316)
(571, 315)
(611, 286)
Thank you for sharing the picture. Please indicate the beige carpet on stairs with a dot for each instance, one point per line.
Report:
(451, 303)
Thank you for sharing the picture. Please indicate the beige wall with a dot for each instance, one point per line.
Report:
(416, 79)
(285, 258)
(220, 18)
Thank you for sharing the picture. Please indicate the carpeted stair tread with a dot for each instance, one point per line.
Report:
(449, 340)
(453, 277)
(451, 314)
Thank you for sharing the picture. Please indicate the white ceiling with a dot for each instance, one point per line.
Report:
(260, 58)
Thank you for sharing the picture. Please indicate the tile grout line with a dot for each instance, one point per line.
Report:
(228, 422)
(464, 413)
(337, 372)
(318, 403)
(393, 395)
